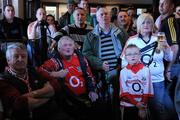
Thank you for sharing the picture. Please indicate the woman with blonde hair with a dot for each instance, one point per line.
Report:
(153, 52)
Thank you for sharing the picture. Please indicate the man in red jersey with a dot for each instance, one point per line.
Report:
(73, 72)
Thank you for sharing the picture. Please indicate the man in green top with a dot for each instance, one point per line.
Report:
(84, 4)
(65, 19)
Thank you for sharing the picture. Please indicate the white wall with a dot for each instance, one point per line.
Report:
(1, 7)
(51, 10)
(62, 9)
(19, 8)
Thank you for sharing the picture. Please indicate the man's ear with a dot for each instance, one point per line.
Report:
(7, 60)
(172, 6)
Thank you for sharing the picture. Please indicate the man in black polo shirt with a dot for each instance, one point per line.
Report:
(168, 24)
(11, 27)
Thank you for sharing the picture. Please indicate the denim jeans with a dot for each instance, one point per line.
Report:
(175, 68)
(177, 96)
(161, 105)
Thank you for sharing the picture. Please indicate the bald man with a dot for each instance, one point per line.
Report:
(103, 47)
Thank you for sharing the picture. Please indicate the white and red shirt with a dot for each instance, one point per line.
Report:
(135, 85)
(157, 66)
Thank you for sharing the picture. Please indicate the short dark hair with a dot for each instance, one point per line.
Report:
(8, 5)
(50, 15)
(78, 8)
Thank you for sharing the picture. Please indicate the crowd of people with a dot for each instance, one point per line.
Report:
(122, 67)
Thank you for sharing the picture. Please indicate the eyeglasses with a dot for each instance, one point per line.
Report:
(134, 54)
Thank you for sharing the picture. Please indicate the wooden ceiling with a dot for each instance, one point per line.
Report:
(108, 1)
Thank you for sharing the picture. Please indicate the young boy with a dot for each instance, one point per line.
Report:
(135, 86)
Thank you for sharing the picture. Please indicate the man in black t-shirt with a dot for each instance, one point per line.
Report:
(11, 27)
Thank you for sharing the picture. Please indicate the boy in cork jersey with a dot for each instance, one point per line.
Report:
(135, 86)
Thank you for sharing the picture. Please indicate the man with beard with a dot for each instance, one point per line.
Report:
(124, 22)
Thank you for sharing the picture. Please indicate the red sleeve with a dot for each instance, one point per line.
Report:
(128, 98)
(145, 99)
(49, 66)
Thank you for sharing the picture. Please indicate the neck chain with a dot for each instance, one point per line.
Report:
(22, 77)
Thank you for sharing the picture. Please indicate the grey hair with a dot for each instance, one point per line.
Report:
(14, 46)
(66, 38)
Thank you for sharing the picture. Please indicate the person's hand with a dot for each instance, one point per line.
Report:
(164, 44)
(93, 96)
(48, 85)
(142, 110)
(140, 105)
(176, 15)
(142, 113)
(105, 66)
(62, 73)
(52, 28)
(168, 76)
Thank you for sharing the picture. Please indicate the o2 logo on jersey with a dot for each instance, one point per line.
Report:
(75, 82)
(136, 87)
(146, 59)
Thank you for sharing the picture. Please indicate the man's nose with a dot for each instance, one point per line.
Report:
(160, 5)
(11, 12)
(20, 58)
(123, 18)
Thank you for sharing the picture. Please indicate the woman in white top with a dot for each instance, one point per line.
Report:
(153, 56)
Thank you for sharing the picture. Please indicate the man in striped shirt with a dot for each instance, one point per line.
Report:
(102, 48)
(78, 30)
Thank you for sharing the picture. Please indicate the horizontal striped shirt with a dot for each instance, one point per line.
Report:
(107, 50)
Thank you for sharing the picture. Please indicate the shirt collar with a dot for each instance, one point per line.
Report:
(135, 68)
